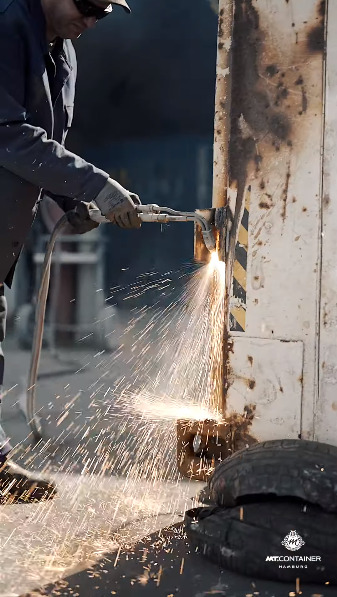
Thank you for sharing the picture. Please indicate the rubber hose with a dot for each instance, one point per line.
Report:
(40, 312)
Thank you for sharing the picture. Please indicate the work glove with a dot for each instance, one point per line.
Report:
(79, 218)
(119, 205)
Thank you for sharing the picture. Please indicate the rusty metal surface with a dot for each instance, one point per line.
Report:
(265, 376)
(275, 155)
(222, 123)
(222, 118)
(222, 127)
(213, 447)
(275, 150)
(216, 441)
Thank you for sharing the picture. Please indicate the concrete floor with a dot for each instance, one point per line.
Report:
(92, 513)
(54, 545)
(162, 565)
(90, 516)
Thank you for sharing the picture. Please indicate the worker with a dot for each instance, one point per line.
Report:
(37, 88)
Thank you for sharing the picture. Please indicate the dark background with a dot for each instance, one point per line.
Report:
(144, 113)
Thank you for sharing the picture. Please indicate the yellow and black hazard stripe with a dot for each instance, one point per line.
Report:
(239, 292)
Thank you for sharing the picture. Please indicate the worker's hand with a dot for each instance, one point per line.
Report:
(79, 218)
(119, 205)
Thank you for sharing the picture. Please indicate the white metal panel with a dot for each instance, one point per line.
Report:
(268, 374)
(284, 219)
(326, 405)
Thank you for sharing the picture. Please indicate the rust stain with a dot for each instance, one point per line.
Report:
(217, 442)
(271, 70)
(214, 442)
(265, 205)
(230, 345)
(253, 115)
(250, 359)
(304, 100)
(240, 426)
(316, 37)
(221, 32)
(251, 384)
(285, 193)
(258, 232)
(281, 94)
(326, 200)
(260, 111)
(268, 97)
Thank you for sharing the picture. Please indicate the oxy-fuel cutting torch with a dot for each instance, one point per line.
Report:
(147, 213)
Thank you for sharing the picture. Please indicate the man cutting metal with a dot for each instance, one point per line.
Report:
(37, 89)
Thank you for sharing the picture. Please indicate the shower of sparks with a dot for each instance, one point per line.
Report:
(166, 368)
(157, 408)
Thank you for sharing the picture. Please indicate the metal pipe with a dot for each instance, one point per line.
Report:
(222, 129)
(222, 117)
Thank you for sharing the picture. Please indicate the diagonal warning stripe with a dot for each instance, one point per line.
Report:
(243, 237)
(239, 292)
(239, 316)
(240, 274)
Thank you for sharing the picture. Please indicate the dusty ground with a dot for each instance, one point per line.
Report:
(96, 515)
(41, 542)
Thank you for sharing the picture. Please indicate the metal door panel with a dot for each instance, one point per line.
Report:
(266, 385)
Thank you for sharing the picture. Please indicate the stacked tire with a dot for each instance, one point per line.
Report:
(272, 512)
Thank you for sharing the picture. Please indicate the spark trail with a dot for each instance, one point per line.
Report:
(163, 371)
(175, 367)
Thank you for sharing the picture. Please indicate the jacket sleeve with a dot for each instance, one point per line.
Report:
(65, 203)
(25, 150)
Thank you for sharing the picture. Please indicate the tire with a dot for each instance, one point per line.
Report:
(242, 546)
(301, 469)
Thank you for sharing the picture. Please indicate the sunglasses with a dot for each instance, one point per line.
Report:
(88, 9)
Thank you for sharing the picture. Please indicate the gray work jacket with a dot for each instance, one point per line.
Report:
(37, 90)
